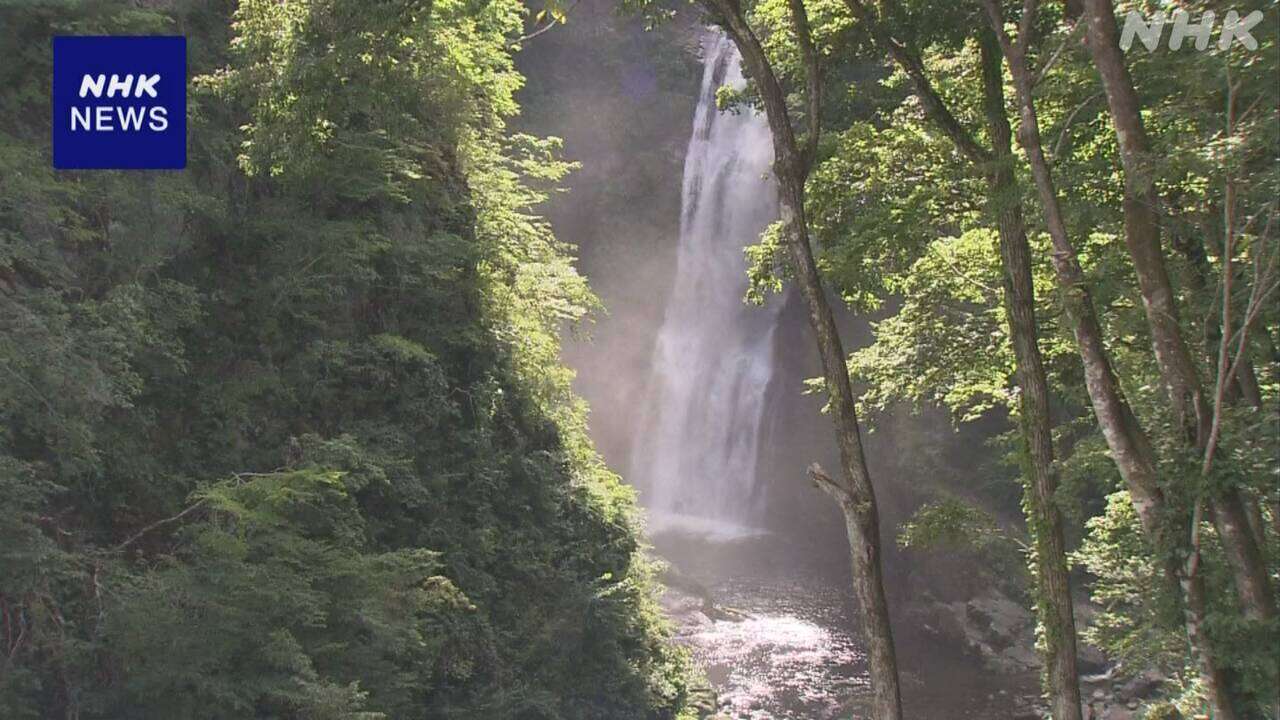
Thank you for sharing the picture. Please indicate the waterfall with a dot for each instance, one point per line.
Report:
(695, 458)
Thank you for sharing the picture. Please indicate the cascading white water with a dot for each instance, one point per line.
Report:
(695, 458)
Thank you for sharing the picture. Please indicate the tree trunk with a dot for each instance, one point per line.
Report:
(1044, 520)
(1142, 237)
(1250, 392)
(1142, 225)
(858, 501)
(1053, 605)
(1195, 607)
(1231, 520)
(854, 492)
(1129, 445)
(1244, 383)
(1192, 248)
(1257, 525)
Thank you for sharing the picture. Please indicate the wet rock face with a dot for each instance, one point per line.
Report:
(991, 626)
(1001, 633)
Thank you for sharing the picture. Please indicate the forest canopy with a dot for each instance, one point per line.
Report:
(286, 434)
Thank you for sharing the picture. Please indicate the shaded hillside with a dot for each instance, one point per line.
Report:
(285, 435)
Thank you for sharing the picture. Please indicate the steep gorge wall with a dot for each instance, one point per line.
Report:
(622, 99)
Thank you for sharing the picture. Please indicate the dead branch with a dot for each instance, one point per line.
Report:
(828, 484)
(158, 524)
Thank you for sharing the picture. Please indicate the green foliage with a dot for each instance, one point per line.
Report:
(1138, 610)
(909, 190)
(947, 340)
(907, 232)
(278, 581)
(953, 527)
(1139, 623)
(951, 524)
(766, 265)
(287, 435)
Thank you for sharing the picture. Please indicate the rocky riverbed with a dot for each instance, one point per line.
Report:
(774, 636)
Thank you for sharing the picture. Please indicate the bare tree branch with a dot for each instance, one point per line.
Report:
(1066, 125)
(934, 106)
(828, 484)
(550, 24)
(1053, 59)
(157, 524)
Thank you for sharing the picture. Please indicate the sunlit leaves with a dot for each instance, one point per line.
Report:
(947, 342)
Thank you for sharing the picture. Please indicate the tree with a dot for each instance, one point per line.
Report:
(900, 223)
(1054, 602)
(1128, 441)
(287, 435)
(853, 491)
(1191, 408)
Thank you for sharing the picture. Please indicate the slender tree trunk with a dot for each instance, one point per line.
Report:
(1250, 391)
(1142, 225)
(1128, 443)
(1239, 543)
(1142, 237)
(1257, 525)
(1245, 388)
(856, 495)
(1053, 601)
(1199, 280)
(1212, 678)
(1053, 605)
(854, 491)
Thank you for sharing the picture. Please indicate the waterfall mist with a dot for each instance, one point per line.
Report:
(697, 398)
(696, 453)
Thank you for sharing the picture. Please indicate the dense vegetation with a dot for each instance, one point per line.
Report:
(1080, 240)
(286, 435)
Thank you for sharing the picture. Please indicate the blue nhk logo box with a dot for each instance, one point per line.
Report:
(120, 102)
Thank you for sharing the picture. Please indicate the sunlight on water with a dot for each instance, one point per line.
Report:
(772, 628)
(789, 658)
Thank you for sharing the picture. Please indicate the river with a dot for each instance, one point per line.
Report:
(786, 648)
